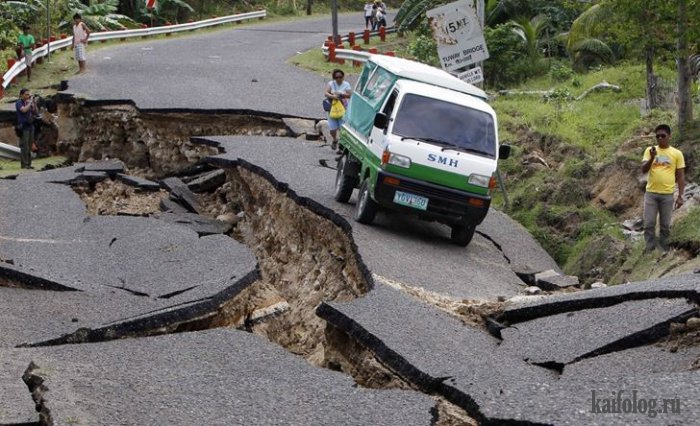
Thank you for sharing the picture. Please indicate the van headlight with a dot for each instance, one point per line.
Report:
(399, 160)
(479, 180)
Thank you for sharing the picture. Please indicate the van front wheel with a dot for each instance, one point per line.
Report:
(345, 179)
(366, 207)
(462, 235)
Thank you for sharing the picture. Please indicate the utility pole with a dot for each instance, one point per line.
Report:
(480, 12)
(334, 19)
(48, 30)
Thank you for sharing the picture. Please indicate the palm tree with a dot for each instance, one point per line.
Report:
(501, 11)
(582, 42)
(530, 32)
(496, 11)
(99, 16)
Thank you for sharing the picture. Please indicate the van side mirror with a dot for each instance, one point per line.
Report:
(380, 120)
(503, 152)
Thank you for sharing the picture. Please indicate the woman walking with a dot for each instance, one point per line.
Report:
(337, 89)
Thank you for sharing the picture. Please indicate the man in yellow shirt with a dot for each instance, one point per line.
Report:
(666, 167)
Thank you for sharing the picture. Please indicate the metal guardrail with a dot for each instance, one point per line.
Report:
(19, 66)
(9, 151)
(354, 55)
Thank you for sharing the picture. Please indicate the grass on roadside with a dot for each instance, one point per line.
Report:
(12, 167)
(314, 61)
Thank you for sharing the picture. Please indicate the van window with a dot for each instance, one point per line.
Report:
(366, 72)
(389, 107)
(446, 124)
(377, 86)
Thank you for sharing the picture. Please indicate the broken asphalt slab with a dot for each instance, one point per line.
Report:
(141, 255)
(583, 400)
(209, 377)
(433, 351)
(138, 182)
(207, 181)
(182, 194)
(650, 359)
(145, 271)
(112, 168)
(16, 405)
(680, 286)
(439, 354)
(202, 225)
(391, 246)
(561, 339)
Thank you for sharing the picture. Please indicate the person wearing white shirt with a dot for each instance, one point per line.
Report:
(368, 14)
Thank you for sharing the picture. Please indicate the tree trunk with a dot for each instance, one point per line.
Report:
(651, 78)
(308, 6)
(685, 105)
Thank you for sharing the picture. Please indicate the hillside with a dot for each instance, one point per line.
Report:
(575, 176)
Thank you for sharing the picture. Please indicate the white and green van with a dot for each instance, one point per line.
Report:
(419, 140)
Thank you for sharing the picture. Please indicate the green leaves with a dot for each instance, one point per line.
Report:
(411, 12)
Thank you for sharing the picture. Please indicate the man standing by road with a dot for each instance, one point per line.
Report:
(26, 111)
(665, 167)
(26, 43)
(80, 38)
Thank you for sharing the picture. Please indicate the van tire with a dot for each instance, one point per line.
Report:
(462, 235)
(366, 208)
(345, 179)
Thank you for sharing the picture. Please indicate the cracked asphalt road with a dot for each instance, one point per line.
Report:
(236, 68)
(400, 248)
(227, 376)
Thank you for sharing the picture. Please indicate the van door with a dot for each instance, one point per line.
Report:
(377, 137)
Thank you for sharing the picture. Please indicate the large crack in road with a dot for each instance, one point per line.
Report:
(309, 291)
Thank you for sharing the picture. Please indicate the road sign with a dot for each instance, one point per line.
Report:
(472, 76)
(457, 31)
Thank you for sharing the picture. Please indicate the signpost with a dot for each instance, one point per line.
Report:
(458, 33)
(472, 76)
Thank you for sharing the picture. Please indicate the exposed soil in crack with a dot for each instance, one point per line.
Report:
(346, 354)
(151, 144)
(34, 380)
(116, 198)
(304, 258)
(684, 335)
(472, 312)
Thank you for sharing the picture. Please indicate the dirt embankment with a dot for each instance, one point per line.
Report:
(576, 206)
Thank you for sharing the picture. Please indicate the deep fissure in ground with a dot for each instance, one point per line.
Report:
(304, 257)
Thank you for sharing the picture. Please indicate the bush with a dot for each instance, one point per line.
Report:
(506, 65)
(424, 49)
(560, 72)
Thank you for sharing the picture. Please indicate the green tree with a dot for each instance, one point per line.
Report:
(584, 39)
(99, 16)
(531, 32)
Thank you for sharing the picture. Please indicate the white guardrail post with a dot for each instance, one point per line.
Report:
(19, 66)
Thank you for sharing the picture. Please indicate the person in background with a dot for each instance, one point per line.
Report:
(369, 23)
(380, 18)
(25, 44)
(374, 16)
(665, 166)
(339, 89)
(81, 33)
(26, 111)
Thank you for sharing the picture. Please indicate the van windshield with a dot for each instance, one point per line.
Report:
(450, 125)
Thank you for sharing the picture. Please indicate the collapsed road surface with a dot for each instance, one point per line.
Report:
(139, 320)
(285, 312)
